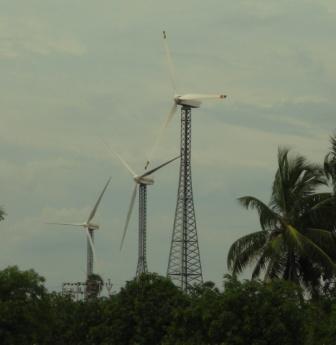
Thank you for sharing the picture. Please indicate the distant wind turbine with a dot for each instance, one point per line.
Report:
(142, 181)
(89, 228)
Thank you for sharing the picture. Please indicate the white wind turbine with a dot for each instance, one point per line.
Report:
(142, 181)
(186, 101)
(89, 228)
(184, 266)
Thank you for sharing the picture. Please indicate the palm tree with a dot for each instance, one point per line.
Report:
(291, 243)
(330, 172)
(330, 163)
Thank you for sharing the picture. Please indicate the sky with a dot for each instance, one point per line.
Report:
(76, 72)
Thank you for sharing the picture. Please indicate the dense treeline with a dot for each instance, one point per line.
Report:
(151, 310)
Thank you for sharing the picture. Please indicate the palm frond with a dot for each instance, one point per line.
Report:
(309, 248)
(310, 277)
(325, 239)
(244, 250)
(333, 144)
(271, 250)
(267, 217)
(317, 210)
(330, 165)
(312, 177)
(330, 162)
(318, 201)
(279, 197)
(293, 238)
(276, 266)
(294, 179)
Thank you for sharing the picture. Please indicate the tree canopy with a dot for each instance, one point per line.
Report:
(151, 310)
(296, 241)
(330, 162)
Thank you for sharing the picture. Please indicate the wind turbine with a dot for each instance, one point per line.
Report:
(141, 181)
(186, 101)
(184, 266)
(89, 228)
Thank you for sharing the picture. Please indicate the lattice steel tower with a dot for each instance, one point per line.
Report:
(142, 259)
(141, 182)
(184, 267)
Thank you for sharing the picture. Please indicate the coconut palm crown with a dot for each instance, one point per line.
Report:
(330, 163)
(291, 244)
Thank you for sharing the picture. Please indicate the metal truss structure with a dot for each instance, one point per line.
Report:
(79, 290)
(142, 259)
(184, 267)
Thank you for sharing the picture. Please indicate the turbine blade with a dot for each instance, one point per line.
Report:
(124, 163)
(72, 224)
(160, 133)
(159, 167)
(201, 97)
(129, 213)
(93, 212)
(91, 244)
(170, 115)
(172, 73)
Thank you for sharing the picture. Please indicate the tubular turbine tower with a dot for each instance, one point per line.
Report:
(184, 266)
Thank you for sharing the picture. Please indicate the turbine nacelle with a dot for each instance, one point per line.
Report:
(91, 226)
(144, 180)
(179, 100)
(195, 100)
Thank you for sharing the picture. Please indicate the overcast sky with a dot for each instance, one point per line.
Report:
(75, 71)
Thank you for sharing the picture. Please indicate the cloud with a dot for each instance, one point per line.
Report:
(24, 36)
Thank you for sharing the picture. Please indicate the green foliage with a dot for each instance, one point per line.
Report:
(24, 308)
(260, 313)
(146, 306)
(94, 286)
(151, 310)
(193, 319)
(250, 312)
(296, 242)
(330, 163)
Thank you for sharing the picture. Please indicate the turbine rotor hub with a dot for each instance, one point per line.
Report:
(92, 226)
